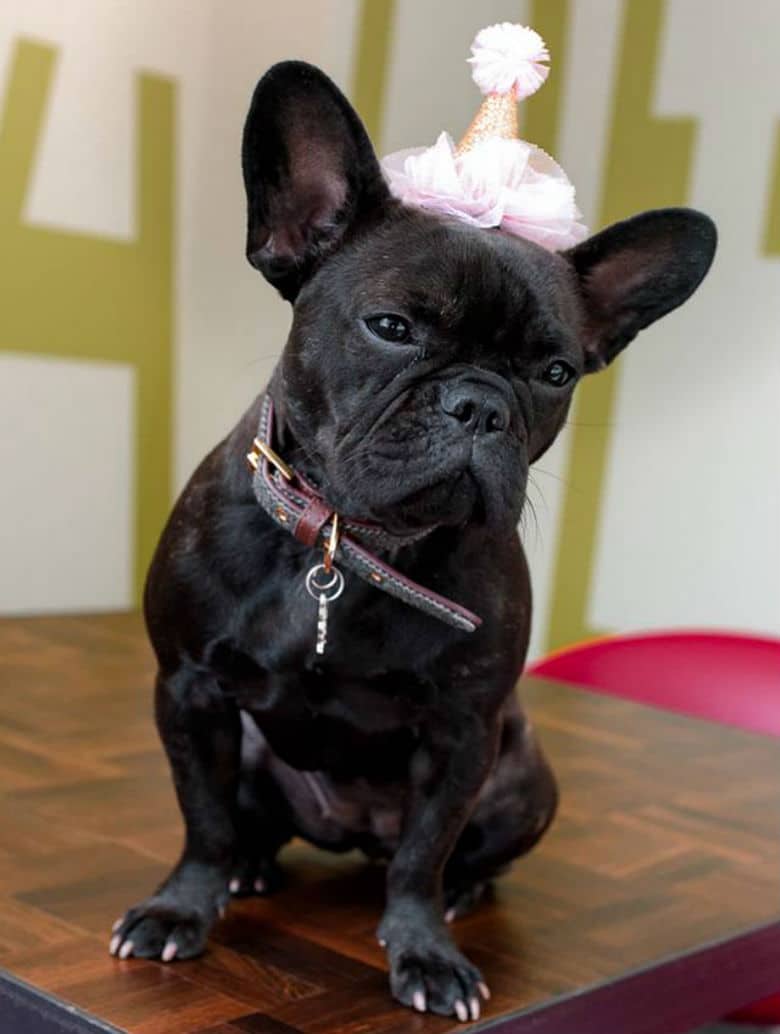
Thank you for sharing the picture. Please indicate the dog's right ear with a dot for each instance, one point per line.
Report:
(635, 271)
(310, 173)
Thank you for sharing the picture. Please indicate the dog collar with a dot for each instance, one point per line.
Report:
(295, 505)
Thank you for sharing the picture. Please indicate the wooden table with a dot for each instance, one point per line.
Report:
(652, 905)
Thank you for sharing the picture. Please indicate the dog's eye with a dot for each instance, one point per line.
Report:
(558, 373)
(390, 327)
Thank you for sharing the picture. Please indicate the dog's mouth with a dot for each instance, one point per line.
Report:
(451, 500)
(419, 475)
(467, 490)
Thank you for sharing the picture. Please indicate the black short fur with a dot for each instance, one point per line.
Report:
(405, 739)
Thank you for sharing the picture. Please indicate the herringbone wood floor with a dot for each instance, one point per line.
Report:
(666, 840)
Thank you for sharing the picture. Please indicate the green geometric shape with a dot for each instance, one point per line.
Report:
(542, 113)
(771, 242)
(372, 61)
(79, 295)
(648, 165)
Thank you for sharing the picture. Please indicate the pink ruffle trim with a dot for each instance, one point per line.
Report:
(502, 183)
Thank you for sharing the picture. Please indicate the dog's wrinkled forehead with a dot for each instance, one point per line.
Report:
(478, 283)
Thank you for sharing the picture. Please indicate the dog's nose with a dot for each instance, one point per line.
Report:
(479, 410)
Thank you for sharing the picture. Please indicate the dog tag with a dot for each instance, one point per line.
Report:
(325, 587)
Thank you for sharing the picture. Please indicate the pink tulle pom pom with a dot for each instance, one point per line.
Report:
(507, 57)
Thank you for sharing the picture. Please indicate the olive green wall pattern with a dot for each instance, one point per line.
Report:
(632, 181)
(73, 295)
(373, 43)
(772, 235)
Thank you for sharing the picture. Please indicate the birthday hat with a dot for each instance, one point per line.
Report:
(492, 178)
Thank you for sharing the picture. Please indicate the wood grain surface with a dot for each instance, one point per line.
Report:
(665, 843)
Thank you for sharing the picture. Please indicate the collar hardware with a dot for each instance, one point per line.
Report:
(332, 544)
(295, 505)
(261, 448)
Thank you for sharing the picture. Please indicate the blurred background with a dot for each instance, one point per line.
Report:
(133, 333)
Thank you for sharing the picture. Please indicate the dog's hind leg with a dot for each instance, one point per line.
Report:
(263, 822)
(514, 809)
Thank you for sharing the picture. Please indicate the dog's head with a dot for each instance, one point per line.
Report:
(430, 362)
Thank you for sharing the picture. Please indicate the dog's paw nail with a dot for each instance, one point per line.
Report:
(116, 925)
(461, 1011)
(260, 886)
(449, 915)
(234, 886)
(484, 990)
(474, 1008)
(126, 950)
(418, 1001)
(169, 951)
(381, 942)
(116, 940)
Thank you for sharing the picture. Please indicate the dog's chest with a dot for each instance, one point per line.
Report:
(350, 735)
(327, 810)
(356, 708)
(318, 717)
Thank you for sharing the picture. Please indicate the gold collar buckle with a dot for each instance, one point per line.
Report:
(332, 544)
(261, 448)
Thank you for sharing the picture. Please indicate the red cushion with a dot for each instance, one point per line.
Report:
(724, 676)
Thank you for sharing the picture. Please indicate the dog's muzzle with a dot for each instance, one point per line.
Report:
(296, 505)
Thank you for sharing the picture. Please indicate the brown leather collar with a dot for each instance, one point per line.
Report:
(295, 505)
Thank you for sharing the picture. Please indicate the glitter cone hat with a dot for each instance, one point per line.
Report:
(492, 178)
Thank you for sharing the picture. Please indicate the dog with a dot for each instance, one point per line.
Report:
(429, 363)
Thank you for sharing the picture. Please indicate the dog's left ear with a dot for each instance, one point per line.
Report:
(636, 271)
(310, 173)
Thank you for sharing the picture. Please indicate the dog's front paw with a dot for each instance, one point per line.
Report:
(428, 973)
(162, 927)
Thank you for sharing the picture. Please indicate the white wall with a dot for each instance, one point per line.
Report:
(229, 325)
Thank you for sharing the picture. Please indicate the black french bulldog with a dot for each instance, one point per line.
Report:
(429, 363)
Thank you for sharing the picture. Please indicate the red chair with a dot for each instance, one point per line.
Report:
(723, 676)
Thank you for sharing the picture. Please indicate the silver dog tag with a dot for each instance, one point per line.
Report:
(325, 587)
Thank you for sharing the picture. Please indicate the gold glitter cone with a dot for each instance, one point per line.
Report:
(497, 117)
